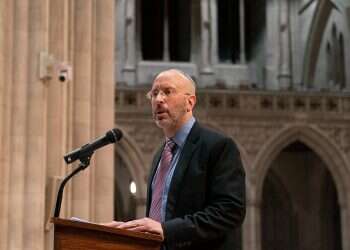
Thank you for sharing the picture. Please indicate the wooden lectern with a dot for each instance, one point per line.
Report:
(75, 235)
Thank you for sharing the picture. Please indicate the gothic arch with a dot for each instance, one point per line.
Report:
(318, 26)
(131, 155)
(328, 151)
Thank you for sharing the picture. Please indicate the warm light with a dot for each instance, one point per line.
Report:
(132, 187)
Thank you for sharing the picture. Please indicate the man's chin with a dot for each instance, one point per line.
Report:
(162, 123)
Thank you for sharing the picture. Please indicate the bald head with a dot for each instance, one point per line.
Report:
(182, 78)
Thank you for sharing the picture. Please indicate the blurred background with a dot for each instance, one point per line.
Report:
(271, 74)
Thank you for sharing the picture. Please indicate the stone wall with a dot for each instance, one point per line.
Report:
(42, 118)
(262, 124)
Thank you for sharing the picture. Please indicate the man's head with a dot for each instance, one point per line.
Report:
(173, 97)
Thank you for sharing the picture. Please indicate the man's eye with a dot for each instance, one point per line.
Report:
(155, 93)
(167, 92)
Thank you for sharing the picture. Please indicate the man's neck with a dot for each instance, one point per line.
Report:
(171, 132)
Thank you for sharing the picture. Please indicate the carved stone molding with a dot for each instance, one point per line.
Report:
(249, 117)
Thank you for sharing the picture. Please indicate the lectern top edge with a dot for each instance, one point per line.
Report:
(97, 227)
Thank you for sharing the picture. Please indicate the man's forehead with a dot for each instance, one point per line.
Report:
(167, 79)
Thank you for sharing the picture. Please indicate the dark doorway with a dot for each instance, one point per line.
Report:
(300, 207)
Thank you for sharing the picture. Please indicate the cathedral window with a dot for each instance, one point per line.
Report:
(228, 30)
(166, 30)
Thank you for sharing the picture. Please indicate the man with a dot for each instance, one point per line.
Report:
(196, 191)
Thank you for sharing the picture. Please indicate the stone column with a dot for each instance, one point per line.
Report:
(58, 99)
(35, 131)
(6, 7)
(103, 171)
(345, 225)
(40, 120)
(284, 76)
(206, 71)
(214, 33)
(83, 93)
(273, 44)
(17, 118)
(22, 126)
(252, 227)
(129, 69)
(205, 37)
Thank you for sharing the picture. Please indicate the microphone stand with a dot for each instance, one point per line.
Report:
(84, 163)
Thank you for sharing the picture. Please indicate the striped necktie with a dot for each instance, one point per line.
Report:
(159, 181)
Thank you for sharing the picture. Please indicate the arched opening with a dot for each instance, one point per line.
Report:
(297, 212)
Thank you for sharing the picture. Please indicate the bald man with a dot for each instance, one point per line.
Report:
(196, 189)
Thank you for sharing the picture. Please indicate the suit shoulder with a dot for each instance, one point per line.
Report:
(210, 135)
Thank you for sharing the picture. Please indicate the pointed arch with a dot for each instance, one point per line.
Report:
(329, 153)
(316, 140)
(318, 26)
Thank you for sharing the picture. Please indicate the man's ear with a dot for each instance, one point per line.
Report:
(192, 102)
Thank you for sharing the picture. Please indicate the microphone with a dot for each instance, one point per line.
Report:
(87, 150)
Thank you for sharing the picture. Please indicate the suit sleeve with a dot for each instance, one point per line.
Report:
(225, 201)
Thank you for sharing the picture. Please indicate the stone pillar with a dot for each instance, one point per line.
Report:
(40, 120)
(35, 130)
(345, 225)
(205, 37)
(214, 33)
(83, 94)
(252, 227)
(93, 98)
(273, 44)
(103, 171)
(206, 71)
(284, 76)
(22, 152)
(17, 121)
(6, 7)
(58, 101)
(129, 69)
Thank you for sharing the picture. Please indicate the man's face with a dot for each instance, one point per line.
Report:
(170, 101)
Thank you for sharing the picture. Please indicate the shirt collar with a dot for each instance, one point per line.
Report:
(182, 133)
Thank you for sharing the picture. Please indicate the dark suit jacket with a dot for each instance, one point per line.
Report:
(206, 199)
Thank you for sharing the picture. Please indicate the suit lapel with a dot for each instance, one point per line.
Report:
(190, 147)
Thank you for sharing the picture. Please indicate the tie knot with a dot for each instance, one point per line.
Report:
(170, 145)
